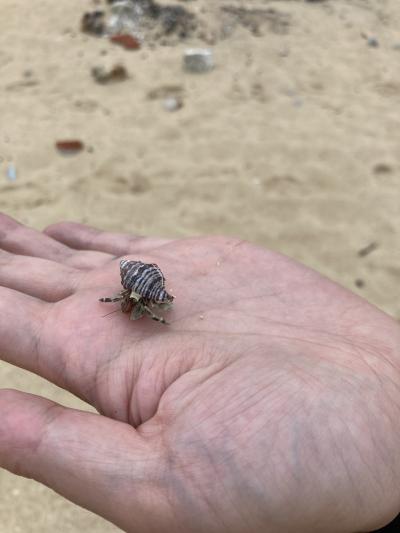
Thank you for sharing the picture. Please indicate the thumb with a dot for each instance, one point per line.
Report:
(98, 463)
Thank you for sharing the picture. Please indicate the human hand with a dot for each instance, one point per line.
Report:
(270, 403)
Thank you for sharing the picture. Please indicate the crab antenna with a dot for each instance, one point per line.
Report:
(115, 310)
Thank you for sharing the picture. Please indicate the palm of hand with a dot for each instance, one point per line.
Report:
(264, 372)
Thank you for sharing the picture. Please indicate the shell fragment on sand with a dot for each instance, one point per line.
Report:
(172, 103)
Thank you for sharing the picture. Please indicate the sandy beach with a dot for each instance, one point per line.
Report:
(291, 141)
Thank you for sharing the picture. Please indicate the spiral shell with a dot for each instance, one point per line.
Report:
(144, 279)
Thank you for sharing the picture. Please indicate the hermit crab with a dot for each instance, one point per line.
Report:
(143, 289)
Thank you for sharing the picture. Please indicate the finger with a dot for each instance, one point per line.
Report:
(55, 341)
(28, 340)
(37, 277)
(82, 237)
(19, 239)
(21, 321)
(98, 463)
(31, 338)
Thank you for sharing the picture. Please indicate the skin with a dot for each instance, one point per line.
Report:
(271, 403)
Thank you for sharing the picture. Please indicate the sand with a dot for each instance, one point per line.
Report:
(291, 142)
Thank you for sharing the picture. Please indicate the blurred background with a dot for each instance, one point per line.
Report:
(285, 132)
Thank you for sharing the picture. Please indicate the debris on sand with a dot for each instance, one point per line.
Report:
(373, 42)
(149, 16)
(93, 23)
(11, 172)
(141, 19)
(151, 22)
(172, 103)
(129, 42)
(363, 252)
(254, 18)
(103, 76)
(124, 18)
(165, 91)
(171, 96)
(69, 146)
(198, 60)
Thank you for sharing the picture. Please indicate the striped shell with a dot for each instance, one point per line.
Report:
(144, 279)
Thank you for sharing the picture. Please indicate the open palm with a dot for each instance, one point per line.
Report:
(270, 403)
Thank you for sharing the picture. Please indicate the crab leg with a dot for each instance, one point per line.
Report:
(113, 299)
(116, 298)
(153, 316)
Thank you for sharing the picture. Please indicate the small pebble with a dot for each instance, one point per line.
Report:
(115, 74)
(172, 103)
(125, 16)
(372, 42)
(198, 60)
(93, 22)
(11, 172)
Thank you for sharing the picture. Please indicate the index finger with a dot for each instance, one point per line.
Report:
(83, 237)
(19, 239)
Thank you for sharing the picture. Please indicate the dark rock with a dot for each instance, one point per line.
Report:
(93, 22)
